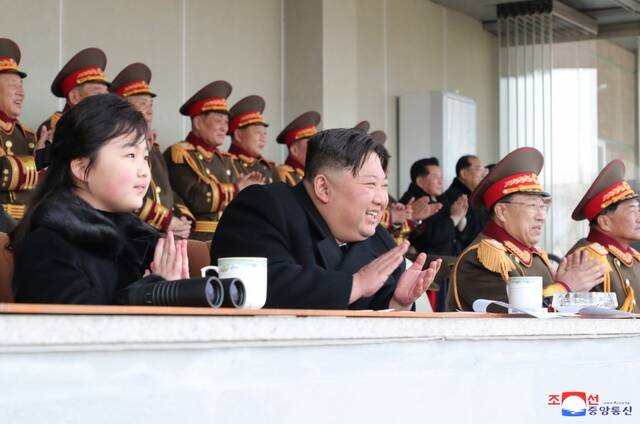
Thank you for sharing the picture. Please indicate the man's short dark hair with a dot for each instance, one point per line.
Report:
(463, 163)
(342, 149)
(419, 168)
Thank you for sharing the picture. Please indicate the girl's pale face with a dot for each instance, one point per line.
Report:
(119, 177)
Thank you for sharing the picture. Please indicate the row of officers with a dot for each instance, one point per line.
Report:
(193, 181)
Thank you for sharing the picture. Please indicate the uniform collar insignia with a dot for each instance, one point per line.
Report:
(625, 257)
(625, 254)
(207, 154)
(524, 256)
(518, 249)
(6, 123)
(294, 163)
(197, 141)
(246, 157)
(635, 253)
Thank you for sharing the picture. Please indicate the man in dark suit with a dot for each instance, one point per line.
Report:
(469, 173)
(436, 234)
(322, 238)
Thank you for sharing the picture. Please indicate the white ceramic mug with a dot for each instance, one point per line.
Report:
(252, 272)
(525, 292)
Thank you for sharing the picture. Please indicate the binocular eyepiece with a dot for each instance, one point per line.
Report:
(208, 292)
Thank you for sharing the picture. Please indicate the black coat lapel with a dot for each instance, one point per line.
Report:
(329, 254)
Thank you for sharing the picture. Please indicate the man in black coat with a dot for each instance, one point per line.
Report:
(322, 238)
(436, 234)
(469, 173)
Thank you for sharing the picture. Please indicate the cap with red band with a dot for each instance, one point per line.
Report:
(608, 189)
(89, 74)
(211, 97)
(133, 80)
(304, 126)
(247, 111)
(10, 57)
(87, 65)
(523, 182)
(515, 173)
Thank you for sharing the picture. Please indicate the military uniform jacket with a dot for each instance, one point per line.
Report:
(291, 172)
(306, 266)
(248, 164)
(399, 231)
(205, 179)
(482, 270)
(622, 268)
(50, 122)
(159, 204)
(17, 167)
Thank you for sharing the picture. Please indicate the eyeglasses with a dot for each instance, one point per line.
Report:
(533, 207)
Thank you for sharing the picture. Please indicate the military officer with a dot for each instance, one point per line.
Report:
(507, 246)
(82, 76)
(160, 209)
(202, 175)
(248, 131)
(295, 136)
(612, 209)
(18, 173)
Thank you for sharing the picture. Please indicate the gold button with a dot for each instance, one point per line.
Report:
(158, 189)
(245, 165)
(208, 194)
(616, 261)
(517, 260)
(8, 143)
(228, 172)
(31, 145)
(5, 171)
(270, 179)
(208, 171)
(200, 156)
(626, 282)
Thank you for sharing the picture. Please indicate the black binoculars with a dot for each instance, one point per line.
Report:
(208, 292)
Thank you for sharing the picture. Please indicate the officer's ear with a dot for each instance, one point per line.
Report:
(604, 222)
(321, 188)
(196, 122)
(236, 135)
(75, 95)
(499, 211)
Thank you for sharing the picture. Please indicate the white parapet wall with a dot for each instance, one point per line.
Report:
(287, 369)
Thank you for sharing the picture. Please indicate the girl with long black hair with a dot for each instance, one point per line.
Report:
(79, 242)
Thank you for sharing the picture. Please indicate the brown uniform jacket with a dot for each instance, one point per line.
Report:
(622, 275)
(160, 205)
(205, 179)
(291, 172)
(17, 167)
(50, 122)
(482, 270)
(248, 164)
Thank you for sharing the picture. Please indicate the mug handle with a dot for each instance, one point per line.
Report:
(204, 271)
